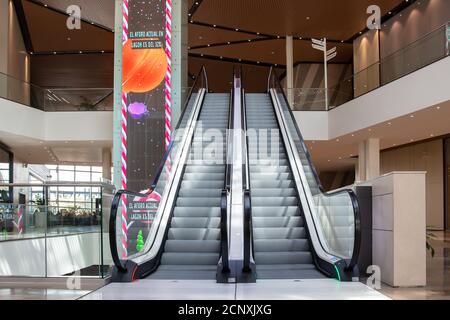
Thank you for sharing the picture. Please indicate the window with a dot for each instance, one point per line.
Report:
(70, 197)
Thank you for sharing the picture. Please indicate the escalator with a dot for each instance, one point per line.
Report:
(281, 247)
(298, 230)
(192, 248)
(215, 193)
(186, 236)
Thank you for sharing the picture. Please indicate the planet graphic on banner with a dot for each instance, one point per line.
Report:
(137, 110)
(142, 69)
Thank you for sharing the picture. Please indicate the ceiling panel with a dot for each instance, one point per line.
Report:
(48, 32)
(273, 51)
(98, 11)
(333, 19)
(201, 35)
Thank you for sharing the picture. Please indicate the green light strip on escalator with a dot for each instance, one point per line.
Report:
(337, 271)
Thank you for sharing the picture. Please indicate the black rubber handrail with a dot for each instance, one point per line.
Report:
(119, 263)
(248, 226)
(225, 194)
(357, 215)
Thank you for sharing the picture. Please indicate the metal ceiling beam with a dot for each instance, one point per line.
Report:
(195, 6)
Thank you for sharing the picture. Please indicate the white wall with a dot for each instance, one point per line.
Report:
(419, 90)
(427, 157)
(65, 254)
(35, 124)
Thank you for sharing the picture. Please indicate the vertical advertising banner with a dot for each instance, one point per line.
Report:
(146, 110)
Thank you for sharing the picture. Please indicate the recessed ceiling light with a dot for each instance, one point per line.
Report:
(411, 116)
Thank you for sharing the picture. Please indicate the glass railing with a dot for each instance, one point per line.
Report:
(63, 99)
(429, 49)
(55, 99)
(335, 216)
(43, 237)
(131, 241)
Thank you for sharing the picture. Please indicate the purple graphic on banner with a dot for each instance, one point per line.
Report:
(137, 110)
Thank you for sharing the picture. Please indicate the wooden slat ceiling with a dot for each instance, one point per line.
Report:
(273, 52)
(327, 18)
(99, 11)
(48, 32)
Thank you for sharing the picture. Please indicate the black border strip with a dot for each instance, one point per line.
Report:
(258, 34)
(234, 60)
(53, 53)
(195, 6)
(23, 25)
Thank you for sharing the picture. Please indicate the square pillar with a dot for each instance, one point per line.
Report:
(369, 159)
(179, 58)
(290, 70)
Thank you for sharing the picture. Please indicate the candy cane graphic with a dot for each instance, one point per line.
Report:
(125, 7)
(168, 104)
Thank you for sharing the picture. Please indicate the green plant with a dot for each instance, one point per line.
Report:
(430, 236)
(140, 241)
(85, 104)
(4, 198)
(39, 201)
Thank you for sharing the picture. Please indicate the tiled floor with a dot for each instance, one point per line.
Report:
(323, 289)
(438, 278)
(40, 294)
(438, 275)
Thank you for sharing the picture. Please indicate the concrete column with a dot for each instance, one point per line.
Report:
(290, 69)
(117, 93)
(106, 164)
(4, 13)
(369, 159)
(361, 167)
(179, 57)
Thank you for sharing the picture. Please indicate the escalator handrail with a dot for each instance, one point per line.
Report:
(248, 225)
(356, 210)
(225, 194)
(120, 264)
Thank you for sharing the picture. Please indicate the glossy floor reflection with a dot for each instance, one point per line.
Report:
(438, 278)
(40, 294)
(321, 289)
(438, 275)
